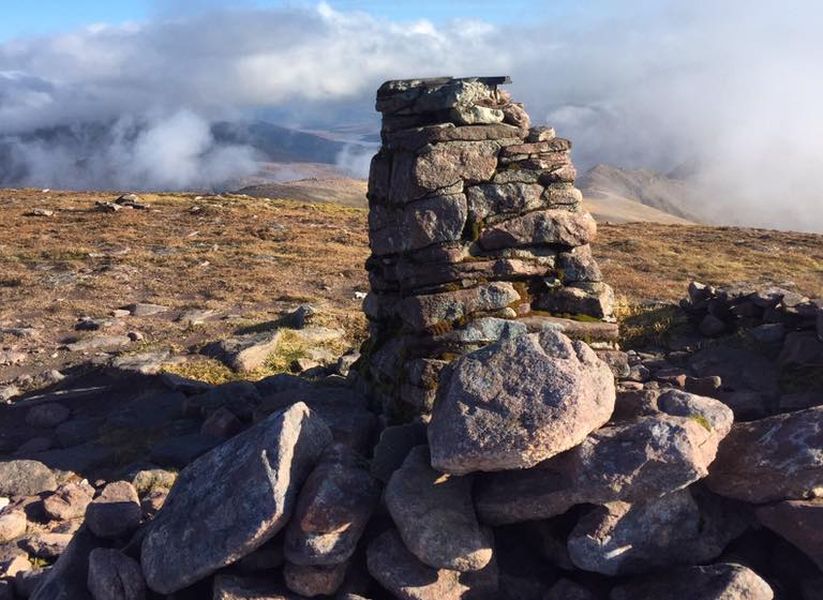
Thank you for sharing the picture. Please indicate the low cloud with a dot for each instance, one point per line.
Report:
(729, 89)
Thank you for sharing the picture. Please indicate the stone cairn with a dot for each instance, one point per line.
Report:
(476, 232)
(544, 470)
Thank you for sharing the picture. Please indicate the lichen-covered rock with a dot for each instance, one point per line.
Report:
(211, 519)
(442, 168)
(778, 458)
(426, 312)
(629, 461)
(507, 198)
(435, 516)
(552, 226)
(518, 402)
(25, 478)
(431, 220)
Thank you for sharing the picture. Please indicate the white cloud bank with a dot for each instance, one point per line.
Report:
(732, 88)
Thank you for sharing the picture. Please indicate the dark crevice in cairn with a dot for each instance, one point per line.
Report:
(476, 232)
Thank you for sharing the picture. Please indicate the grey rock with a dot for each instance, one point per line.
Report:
(431, 220)
(245, 353)
(333, 508)
(778, 458)
(711, 326)
(677, 529)
(801, 348)
(272, 459)
(592, 299)
(442, 168)
(221, 424)
(507, 198)
(115, 512)
(518, 402)
(430, 311)
(77, 431)
(399, 571)
(267, 557)
(578, 264)
(342, 409)
(553, 226)
(25, 478)
(103, 342)
(9, 392)
(629, 461)
(435, 516)
(146, 363)
(144, 309)
(115, 576)
(723, 581)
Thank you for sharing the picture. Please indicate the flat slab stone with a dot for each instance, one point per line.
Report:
(232, 500)
(588, 331)
(778, 458)
(25, 478)
(553, 226)
(244, 353)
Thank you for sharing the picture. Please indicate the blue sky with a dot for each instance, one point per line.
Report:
(37, 17)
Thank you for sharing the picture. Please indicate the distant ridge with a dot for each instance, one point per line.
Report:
(623, 195)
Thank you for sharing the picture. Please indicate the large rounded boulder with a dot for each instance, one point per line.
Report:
(518, 402)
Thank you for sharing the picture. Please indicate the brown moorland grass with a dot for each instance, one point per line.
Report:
(251, 259)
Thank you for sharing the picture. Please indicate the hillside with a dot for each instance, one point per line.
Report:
(614, 194)
(342, 190)
(236, 262)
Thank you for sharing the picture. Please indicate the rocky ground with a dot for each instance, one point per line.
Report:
(692, 471)
(704, 432)
(218, 266)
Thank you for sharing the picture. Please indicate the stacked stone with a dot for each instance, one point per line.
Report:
(476, 230)
(723, 310)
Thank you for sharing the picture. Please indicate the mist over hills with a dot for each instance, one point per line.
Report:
(179, 152)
